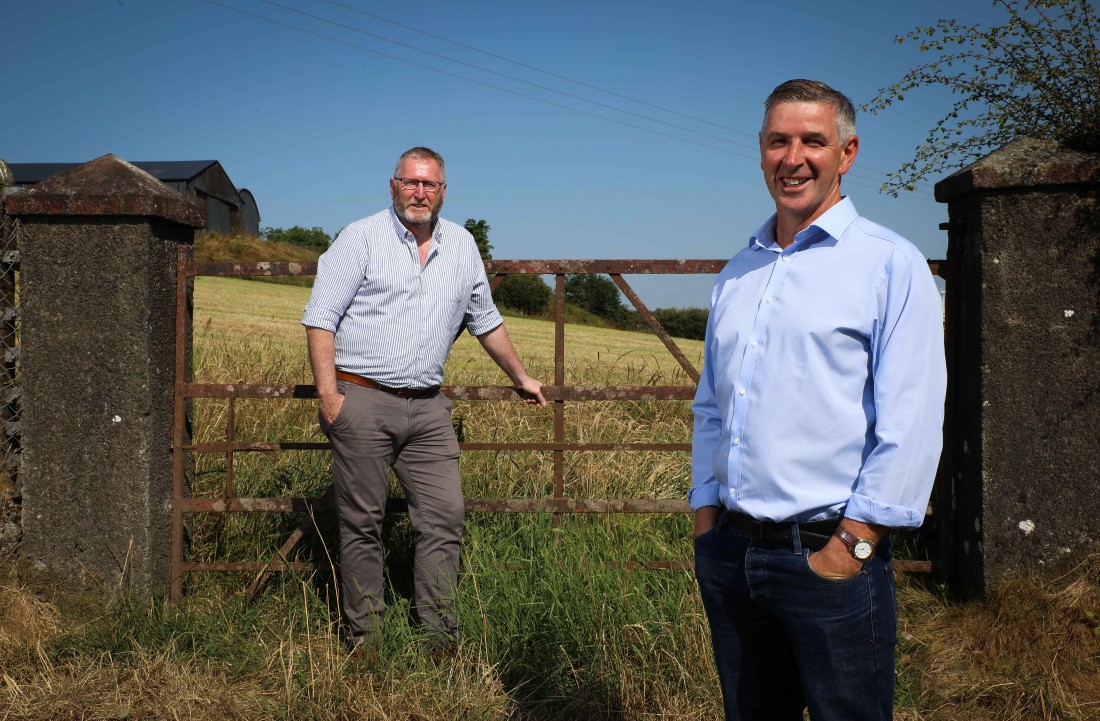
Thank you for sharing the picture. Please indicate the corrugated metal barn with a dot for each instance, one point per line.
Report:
(228, 209)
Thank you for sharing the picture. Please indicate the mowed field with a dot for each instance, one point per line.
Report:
(551, 629)
(261, 314)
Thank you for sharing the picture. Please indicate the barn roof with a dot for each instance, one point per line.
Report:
(164, 170)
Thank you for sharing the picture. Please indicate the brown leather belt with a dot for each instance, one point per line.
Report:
(399, 392)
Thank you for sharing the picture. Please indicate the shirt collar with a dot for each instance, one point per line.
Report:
(404, 233)
(833, 222)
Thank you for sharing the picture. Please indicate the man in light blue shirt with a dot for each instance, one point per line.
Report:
(818, 428)
(391, 295)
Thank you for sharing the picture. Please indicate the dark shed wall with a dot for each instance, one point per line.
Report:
(218, 214)
(214, 189)
(249, 218)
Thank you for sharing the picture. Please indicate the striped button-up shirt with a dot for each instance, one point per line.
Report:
(395, 321)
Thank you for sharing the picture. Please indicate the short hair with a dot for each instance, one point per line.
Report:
(814, 91)
(422, 153)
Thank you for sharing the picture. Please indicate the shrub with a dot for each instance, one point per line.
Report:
(525, 293)
(304, 237)
(683, 322)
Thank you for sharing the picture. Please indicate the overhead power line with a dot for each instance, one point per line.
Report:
(297, 28)
(540, 70)
(752, 136)
(503, 75)
(472, 80)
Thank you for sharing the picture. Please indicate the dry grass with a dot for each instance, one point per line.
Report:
(1031, 651)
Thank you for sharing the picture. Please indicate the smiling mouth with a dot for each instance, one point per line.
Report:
(794, 182)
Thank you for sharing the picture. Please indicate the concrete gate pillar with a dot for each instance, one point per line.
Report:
(98, 253)
(1022, 445)
(11, 529)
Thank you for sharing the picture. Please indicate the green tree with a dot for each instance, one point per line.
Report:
(524, 292)
(480, 230)
(597, 295)
(1037, 75)
(314, 237)
(683, 322)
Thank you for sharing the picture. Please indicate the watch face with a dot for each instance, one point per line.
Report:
(863, 550)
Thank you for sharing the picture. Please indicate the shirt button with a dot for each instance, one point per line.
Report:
(753, 344)
(736, 441)
(785, 258)
(768, 299)
(740, 391)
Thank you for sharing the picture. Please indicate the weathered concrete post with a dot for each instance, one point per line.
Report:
(99, 248)
(1023, 448)
(11, 528)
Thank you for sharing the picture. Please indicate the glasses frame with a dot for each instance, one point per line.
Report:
(416, 182)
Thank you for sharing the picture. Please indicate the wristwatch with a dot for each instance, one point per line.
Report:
(860, 548)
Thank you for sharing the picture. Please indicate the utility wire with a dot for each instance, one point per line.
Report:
(475, 81)
(504, 75)
(539, 70)
(751, 136)
(322, 36)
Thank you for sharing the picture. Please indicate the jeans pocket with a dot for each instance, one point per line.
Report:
(710, 532)
(825, 579)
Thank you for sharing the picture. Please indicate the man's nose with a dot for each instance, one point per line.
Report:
(793, 156)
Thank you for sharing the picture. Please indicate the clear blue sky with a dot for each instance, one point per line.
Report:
(312, 126)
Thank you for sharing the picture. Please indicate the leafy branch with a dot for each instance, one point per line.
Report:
(1037, 75)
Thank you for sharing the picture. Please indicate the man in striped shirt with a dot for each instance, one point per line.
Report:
(391, 295)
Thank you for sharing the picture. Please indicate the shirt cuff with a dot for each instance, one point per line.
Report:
(703, 496)
(315, 318)
(482, 323)
(868, 510)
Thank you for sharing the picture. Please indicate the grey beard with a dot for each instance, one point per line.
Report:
(405, 216)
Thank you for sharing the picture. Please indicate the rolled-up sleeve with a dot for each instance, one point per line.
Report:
(910, 379)
(340, 273)
(481, 315)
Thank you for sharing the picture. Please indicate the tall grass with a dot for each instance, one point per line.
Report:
(550, 630)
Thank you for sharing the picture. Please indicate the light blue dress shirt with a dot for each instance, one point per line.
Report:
(395, 321)
(824, 377)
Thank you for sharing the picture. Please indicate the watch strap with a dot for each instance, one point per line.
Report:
(851, 541)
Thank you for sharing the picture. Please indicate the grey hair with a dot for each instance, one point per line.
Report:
(422, 153)
(814, 91)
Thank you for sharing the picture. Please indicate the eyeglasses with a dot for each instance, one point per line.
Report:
(430, 186)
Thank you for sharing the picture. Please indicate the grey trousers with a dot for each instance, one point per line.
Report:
(373, 432)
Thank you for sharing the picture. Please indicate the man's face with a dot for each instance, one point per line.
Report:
(802, 159)
(417, 206)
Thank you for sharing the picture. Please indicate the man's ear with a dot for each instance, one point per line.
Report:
(851, 150)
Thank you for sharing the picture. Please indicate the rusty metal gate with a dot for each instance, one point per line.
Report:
(557, 393)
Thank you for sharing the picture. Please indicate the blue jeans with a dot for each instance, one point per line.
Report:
(786, 638)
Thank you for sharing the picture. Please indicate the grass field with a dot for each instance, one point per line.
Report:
(550, 632)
